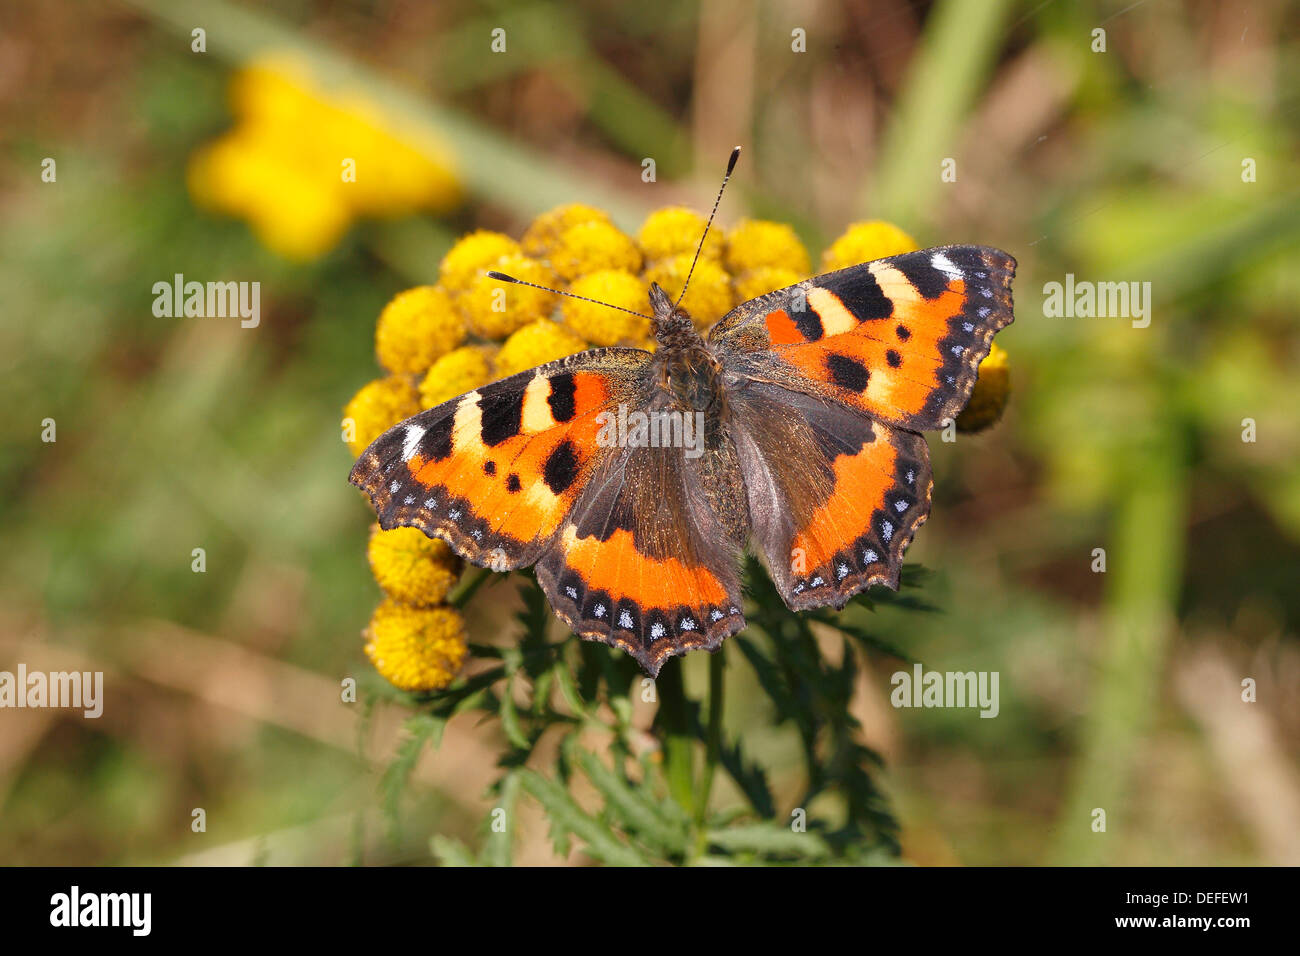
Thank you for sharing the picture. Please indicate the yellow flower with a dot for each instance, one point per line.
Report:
(604, 326)
(865, 241)
(756, 244)
(590, 246)
(411, 567)
(416, 327)
(709, 297)
(416, 649)
(544, 234)
(456, 373)
(377, 407)
(536, 344)
(493, 309)
(677, 230)
(764, 279)
(992, 390)
(472, 256)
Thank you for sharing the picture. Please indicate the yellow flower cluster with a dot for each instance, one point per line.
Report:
(439, 341)
(302, 161)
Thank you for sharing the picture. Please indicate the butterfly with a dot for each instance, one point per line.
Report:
(634, 481)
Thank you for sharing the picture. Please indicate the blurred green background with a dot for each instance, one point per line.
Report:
(1119, 690)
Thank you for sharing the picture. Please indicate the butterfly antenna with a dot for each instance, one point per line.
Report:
(502, 277)
(731, 164)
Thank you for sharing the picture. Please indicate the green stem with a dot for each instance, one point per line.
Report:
(717, 665)
(674, 727)
(469, 583)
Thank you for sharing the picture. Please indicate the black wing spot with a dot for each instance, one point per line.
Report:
(512, 483)
(861, 294)
(502, 415)
(903, 333)
(561, 468)
(561, 400)
(929, 281)
(489, 467)
(809, 324)
(893, 358)
(847, 372)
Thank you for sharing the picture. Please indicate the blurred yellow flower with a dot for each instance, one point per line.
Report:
(493, 309)
(301, 162)
(603, 326)
(865, 241)
(757, 244)
(710, 295)
(676, 231)
(411, 567)
(991, 393)
(416, 649)
(536, 344)
(590, 246)
(472, 255)
(415, 328)
(377, 407)
(459, 371)
(541, 238)
(764, 279)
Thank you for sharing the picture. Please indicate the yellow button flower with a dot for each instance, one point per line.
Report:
(377, 407)
(756, 282)
(411, 567)
(416, 327)
(544, 234)
(991, 393)
(472, 256)
(416, 649)
(536, 344)
(456, 373)
(865, 241)
(590, 246)
(677, 230)
(493, 309)
(710, 295)
(756, 244)
(603, 326)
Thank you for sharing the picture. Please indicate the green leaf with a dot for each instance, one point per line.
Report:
(497, 849)
(449, 851)
(640, 816)
(599, 841)
(770, 839)
(420, 729)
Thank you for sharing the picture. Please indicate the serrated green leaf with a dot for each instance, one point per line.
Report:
(642, 818)
(770, 839)
(449, 851)
(599, 841)
(498, 848)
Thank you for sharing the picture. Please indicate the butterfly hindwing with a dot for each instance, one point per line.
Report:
(648, 559)
(494, 472)
(834, 496)
(899, 338)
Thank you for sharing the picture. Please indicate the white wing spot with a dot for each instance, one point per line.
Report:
(968, 326)
(886, 530)
(572, 593)
(911, 476)
(987, 293)
(454, 515)
(945, 265)
(842, 571)
(656, 631)
(476, 534)
(733, 610)
(625, 620)
(958, 349)
(430, 502)
(598, 610)
(688, 624)
(715, 615)
(900, 506)
(983, 311)
(392, 489)
(870, 557)
(412, 440)
(409, 500)
(817, 582)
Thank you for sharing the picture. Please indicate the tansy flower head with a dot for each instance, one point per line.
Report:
(709, 297)
(756, 282)
(416, 649)
(377, 407)
(472, 256)
(415, 328)
(676, 230)
(604, 326)
(756, 244)
(459, 371)
(535, 344)
(544, 234)
(493, 309)
(992, 390)
(865, 241)
(593, 245)
(411, 567)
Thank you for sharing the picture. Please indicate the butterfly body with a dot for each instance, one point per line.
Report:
(635, 481)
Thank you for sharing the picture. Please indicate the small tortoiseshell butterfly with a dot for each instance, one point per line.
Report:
(812, 400)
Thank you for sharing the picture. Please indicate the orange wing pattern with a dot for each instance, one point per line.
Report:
(495, 471)
(899, 338)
